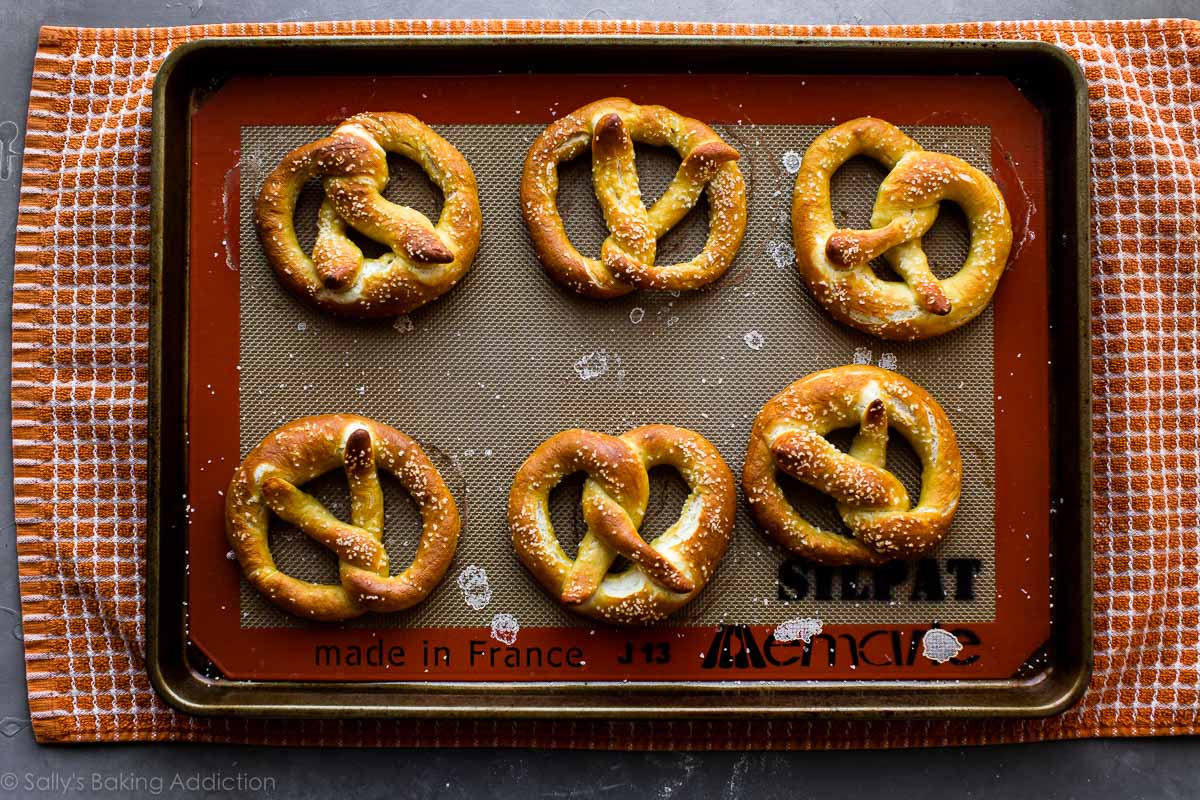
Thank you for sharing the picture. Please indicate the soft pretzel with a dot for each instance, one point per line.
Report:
(664, 574)
(268, 479)
(789, 434)
(834, 263)
(627, 258)
(424, 261)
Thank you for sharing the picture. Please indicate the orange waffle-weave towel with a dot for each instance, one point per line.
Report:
(79, 397)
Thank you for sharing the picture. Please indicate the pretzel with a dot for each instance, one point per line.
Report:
(789, 434)
(424, 261)
(834, 263)
(610, 127)
(664, 574)
(299, 451)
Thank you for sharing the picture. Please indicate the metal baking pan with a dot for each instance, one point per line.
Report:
(1046, 679)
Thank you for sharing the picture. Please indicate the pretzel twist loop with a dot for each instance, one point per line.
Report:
(627, 257)
(423, 260)
(664, 574)
(834, 263)
(789, 434)
(268, 479)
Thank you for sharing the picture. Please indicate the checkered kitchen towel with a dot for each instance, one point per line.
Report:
(79, 398)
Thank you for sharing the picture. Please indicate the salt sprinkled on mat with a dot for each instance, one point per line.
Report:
(301, 326)
(505, 628)
(862, 355)
(473, 581)
(940, 645)
(593, 365)
(887, 360)
(403, 324)
(800, 629)
(791, 162)
(253, 164)
(782, 254)
(636, 315)
(754, 340)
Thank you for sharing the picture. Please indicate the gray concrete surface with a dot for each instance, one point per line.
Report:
(1117, 769)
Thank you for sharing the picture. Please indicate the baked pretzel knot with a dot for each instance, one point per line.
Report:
(423, 260)
(834, 263)
(627, 257)
(664, 574)
(268, 479)
(789, 434)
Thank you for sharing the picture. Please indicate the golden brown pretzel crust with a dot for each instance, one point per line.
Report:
(610, 127)
(424, 261)
(666, 573)
(290, 456)
(834, 263)
(789, 434)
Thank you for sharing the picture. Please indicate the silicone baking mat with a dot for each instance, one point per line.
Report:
(509, 357)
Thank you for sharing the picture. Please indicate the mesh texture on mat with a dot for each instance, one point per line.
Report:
(485, 373)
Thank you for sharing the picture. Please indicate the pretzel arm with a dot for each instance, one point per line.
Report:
(900, 240)
(681, 196)
(675, 203)
(870, 443)
(404, 230)
(811, 458)
(336, 258)
(351, 544)
(612, 525)
(910, 263)
(440, 523)
(869, 446)
(851, 248)
(584, 577)
(366, 495)
(615, 178)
